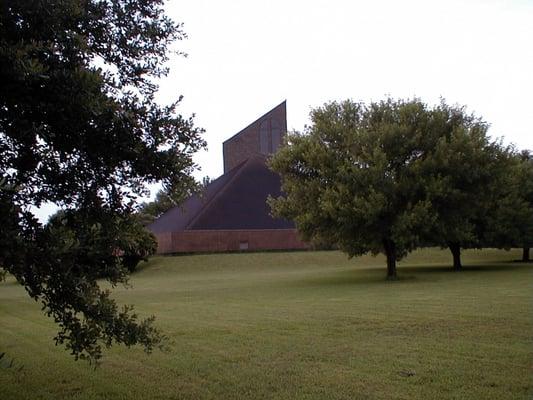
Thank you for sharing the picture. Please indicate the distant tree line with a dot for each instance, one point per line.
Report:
(391, 176)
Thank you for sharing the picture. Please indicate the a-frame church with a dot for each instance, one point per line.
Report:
(232, 213)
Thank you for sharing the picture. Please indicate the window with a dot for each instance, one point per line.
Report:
(269, 136)
(264, 137)
(276, 136)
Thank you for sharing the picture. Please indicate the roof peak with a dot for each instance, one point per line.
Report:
(283, 104)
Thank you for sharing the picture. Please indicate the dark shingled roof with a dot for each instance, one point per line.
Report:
(236, 200)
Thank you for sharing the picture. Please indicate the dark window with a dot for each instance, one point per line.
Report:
(264, 137)
(276, 136)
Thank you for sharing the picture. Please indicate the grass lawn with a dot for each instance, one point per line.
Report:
(301, 325)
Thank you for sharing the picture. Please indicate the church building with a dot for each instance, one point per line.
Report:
(232, 214)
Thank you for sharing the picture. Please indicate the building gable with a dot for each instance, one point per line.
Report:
(263, 136)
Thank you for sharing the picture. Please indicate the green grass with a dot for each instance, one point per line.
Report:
(301, 325)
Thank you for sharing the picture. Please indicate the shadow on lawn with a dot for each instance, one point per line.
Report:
(485, 266)
(355, 277)
(406, 274)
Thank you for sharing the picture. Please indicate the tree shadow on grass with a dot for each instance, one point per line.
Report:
(368, 276)
(467, 268)
(355, 277)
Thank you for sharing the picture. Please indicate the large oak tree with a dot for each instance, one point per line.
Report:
(79, 128)
(391, 176)
(466, 176)
(511, 225)
(352, 179)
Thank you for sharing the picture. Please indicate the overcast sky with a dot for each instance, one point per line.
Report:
(246, 56)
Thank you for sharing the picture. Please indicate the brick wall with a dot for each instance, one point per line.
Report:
(240, 148)
(228, 240)
(246, 143)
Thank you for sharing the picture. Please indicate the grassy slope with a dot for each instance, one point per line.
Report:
(309, 325)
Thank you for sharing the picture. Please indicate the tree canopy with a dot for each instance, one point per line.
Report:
(512, 223)
(79, 127)
(391, 176)
(465, 176)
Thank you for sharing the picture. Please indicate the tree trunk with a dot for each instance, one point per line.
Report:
(525, 254)
(455, 248)
(390, 252)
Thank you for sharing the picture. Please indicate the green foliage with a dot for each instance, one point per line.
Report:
(526, 192)
(511, 225)
(164, 201)
(80, 248)
(391, 176)
(79, 127)
(126, 239)
(138, 244)
(356, 172)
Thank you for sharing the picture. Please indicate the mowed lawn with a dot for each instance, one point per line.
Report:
(298, 325)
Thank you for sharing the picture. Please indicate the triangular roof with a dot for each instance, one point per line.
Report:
(236, 200)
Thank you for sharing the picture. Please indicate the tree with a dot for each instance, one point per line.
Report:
(353, 178)
(136, 243)
(148, 212)
(511, 223)
(140, 244)
(394, 175)
(466, 179)
(79, 127)
(526, 192)
(480, 189)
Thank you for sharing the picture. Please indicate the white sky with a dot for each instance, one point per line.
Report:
(246, 56)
